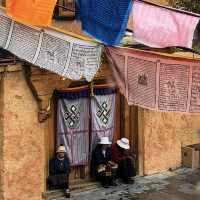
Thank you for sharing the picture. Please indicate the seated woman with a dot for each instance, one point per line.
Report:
(121, 156)
(59, 169)
(102, 168)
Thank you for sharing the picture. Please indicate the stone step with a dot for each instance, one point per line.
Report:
(76, 187)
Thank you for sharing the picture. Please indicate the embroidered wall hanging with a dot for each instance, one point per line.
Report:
(67, 56)
(73, 128)
(103, 117)
(156, 82)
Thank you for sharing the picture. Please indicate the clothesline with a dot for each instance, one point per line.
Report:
(175, 55)
(85, 38)
(179, 47)
(162, 6)
(97, 24)
(171, 8)
(65, 8)
(66, 32)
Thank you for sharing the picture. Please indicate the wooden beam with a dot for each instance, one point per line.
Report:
(127, 120)
(141, 141)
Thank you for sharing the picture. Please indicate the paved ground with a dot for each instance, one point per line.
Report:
(182, 184)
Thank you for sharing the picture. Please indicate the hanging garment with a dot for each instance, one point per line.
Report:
(156, 81)
(73, 127)
(160, 27)
(103, 116)
(32, 12)
(57, 52)
(106, 20)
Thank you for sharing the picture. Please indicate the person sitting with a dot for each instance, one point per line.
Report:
(102, 168)
(59, 169)
(121, 156)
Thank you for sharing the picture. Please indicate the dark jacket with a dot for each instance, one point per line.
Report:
(98, 159)
(57, 166)
(118, 153)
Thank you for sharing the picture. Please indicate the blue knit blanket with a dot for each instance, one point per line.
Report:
(106, 20)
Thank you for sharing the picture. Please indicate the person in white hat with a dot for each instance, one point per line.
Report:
(59, 169)
(121, 156)
(102, 168)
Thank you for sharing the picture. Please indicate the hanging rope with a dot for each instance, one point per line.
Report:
(65, 8)
(92, 89)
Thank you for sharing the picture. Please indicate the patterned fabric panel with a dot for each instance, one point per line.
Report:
(103, 117)
(73, 128)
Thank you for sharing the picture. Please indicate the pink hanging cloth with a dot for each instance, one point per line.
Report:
(162, 27)
(156, 81)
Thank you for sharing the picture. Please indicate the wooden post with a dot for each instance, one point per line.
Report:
(125, 118)
(141, 140)
(134, 132)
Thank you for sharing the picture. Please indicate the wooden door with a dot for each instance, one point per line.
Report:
(129, 126)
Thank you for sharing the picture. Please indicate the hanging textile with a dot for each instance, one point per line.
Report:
(102, 115)
(32, 12)
(73, 126)
(106, 20)
(156, 82)
(67, 56)
(160, 27)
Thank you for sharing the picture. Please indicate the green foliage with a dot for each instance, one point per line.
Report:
(192, 6)
(189, 5)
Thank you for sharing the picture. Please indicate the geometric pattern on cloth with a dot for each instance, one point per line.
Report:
(72, 116)
(103, 117)
(73, 128)
(103, 112)
(159, 26)
(155, 81)
(52, 50)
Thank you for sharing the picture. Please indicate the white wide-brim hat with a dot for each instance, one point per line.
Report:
(61, 149)
(123, 143)
(104, 140)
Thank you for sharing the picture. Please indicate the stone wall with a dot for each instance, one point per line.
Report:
(164, 134)
(23, 141)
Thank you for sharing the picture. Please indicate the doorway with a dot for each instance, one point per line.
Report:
(126, 125)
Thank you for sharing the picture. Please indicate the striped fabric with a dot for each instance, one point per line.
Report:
(73, 128)
(161, 27)
(105, 20)
(103, 117)
(33, 12)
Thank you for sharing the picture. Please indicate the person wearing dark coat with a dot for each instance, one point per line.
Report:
(102, 168)
(125, 161)
(59, 169)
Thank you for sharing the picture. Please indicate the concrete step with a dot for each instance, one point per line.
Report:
(76, 187)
